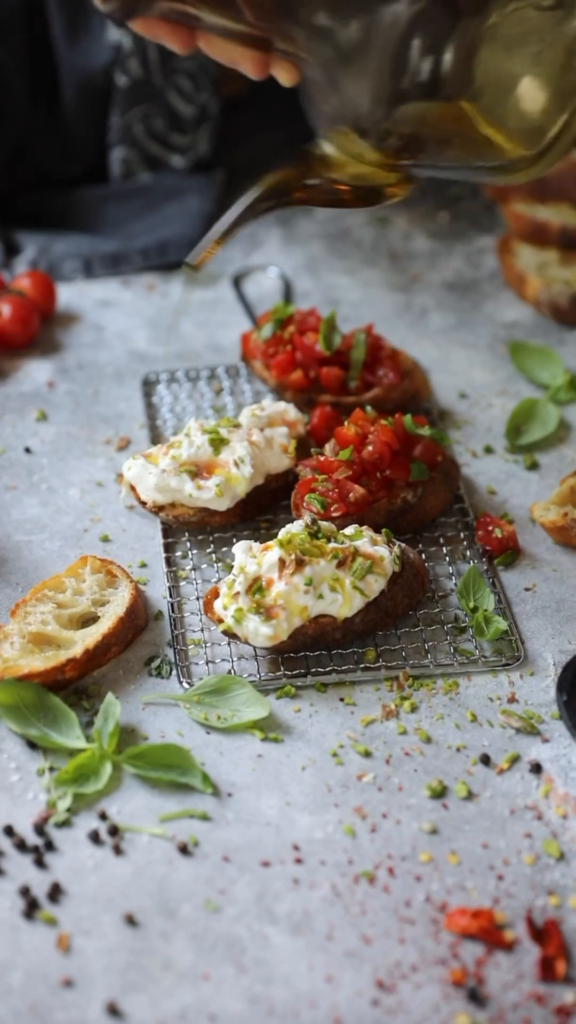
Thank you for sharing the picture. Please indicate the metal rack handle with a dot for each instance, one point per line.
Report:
(270, 270)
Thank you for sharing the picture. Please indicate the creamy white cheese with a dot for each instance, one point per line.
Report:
(214, 464)
(310, 569)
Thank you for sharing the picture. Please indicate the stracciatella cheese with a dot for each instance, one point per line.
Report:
(310, 569)
(214, 464)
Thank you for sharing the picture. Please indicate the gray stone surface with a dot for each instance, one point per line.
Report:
(272, 918)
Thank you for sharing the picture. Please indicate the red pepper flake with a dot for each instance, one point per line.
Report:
(265, 864)
(458, 976)
(481, 923)
(553, 964)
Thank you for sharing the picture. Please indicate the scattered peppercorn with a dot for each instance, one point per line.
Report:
(130, 919)
(485, 759)
(117, 848)
(112, 1009)
(38, 860)
(49, 845)
(19, 843)
(55, 892)
(95, 837)
(66, 982)
(8, 830)
(39, 828)
(475, 996)
(35, 848)
(182, 847)
(27, 449)
(113, 830)
(24, 891)
(31, 908)
(102, 814)
(535, 767)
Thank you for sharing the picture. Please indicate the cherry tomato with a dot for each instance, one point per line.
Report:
(39, 288)
(19, 321)
(282, 365)
(332, 379)
(496, 536)
(324, 421)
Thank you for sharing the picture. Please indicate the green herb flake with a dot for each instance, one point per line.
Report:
(401, 729)
(329, 337)
(285, 691)
(552, 848)
(462, 790)
(471, 716)
(141, 564)
(488, 449)
(211, 906)
(555, 715)
(158, 615)
(349, 701)
(529, 461)
(349, 830)
(357, 357)
(519, 722)
(47, 917)
(40, 415)
(507, 762)
(105, 538)
(435, 789)
(142, 581)
(418, 471)
(429, 827)
(361, 749)
(159, 666)
(320, 687)
(187, 812)
(423, 736)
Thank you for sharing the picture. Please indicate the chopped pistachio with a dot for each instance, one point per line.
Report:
(349, 701)
(141, 564)
(533, 716)
(286, 691)
(361, 749)
(471, 716)
(40, 415)
(46, 917)
(435, 789)
(507, 762)
(368, 719)
(425, 857)
(349, 830)
(105, 538)
(429, 827)
(544, 790)
(320, 687)
(401, 729)
(462, 790)
(453, 858)
(519, 722)
(423, 736)
(552, 848)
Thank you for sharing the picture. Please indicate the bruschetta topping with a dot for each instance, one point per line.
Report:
(367, 455)
(214, 464)
(310, 569)
(302, 349)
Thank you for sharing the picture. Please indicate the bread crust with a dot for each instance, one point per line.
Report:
(410, 395)
(523, 222)
(554, 302)
(94, 655)
(557, 516)
(408, 508)
(405, 590)
(558, 185)
(260, 500)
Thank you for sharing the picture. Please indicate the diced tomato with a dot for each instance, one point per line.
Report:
(361, 421)
(327, 465)
(355, 497)
(297, 380)
(496, 536)
(282, 365)
(377, 454)
(385, 433)
(307, 345)
(348, 436)
(429, 452)
(399, 469)
(324, 422)
(332, 379)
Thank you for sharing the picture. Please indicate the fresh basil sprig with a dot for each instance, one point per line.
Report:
(477, 601)
(220, 702)
(434, 433)
(531, 421)
(330, 335)
(540, 364)
(535, 420)
(38, 715)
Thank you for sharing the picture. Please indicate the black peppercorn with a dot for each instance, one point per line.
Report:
(182, 847)
(102, 814)
(130, 919)
(95, 837)
(49, 845)
(485, 759)
(24, 891)
(112, 1009)
(117, 848)
(113, 830)
(54, 892)
(8, 830)
(20, 844)
(38, 860)
(535, 767)
(475, 996)
(39, 828)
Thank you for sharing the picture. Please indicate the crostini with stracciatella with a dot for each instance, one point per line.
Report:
(314, 586)
(373, 470)
(306, 359)
(219, 472)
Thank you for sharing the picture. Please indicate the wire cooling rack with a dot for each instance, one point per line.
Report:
(432, 640)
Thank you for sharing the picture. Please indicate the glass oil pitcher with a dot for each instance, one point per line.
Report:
(483, 90)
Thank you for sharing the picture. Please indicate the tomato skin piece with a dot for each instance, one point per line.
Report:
(347, 436)
(332, 379)
(496, 535)
(19, 321)
(429, 452)
(355, 497)
(324, 422)
(39, 288)
(282, 365)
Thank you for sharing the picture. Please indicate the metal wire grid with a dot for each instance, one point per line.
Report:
(431, 640)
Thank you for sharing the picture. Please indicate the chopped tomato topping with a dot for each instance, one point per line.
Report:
(497, 536)
(481, 923)
(553, 965)
(332, 361)
(363, 459)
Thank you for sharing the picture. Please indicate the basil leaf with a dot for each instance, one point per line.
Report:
(88, 772)
(508, 558)
(488, 626)
(540, 364)
(166, 763)
(440, 436)
(418, 471)
(107, 724)
(221, 702)
(277, 315)
(519, 722)
(40, 716)
(357, 357)
(346, 453)
(532, 421)
(316, 500)
(330, 336)
(473, 592)
(565, 392)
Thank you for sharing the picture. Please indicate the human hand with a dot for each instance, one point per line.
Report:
(183, 40)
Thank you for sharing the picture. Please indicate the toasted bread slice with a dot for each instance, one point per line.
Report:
(408, 396)
(405, 590)
(558, 515)
(543, 276)
(559, 185)
(260, 500)
(72, 624)
(408, 508)
(542, 223)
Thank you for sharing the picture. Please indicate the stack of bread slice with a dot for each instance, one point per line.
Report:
(538, 253)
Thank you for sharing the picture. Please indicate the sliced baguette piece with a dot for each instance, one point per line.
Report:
(404, 592)
(72, 624)
(410, 395)
(543, 276)
(558, 515)
(542, 223)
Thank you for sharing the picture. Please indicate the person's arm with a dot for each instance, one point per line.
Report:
(185, 40)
